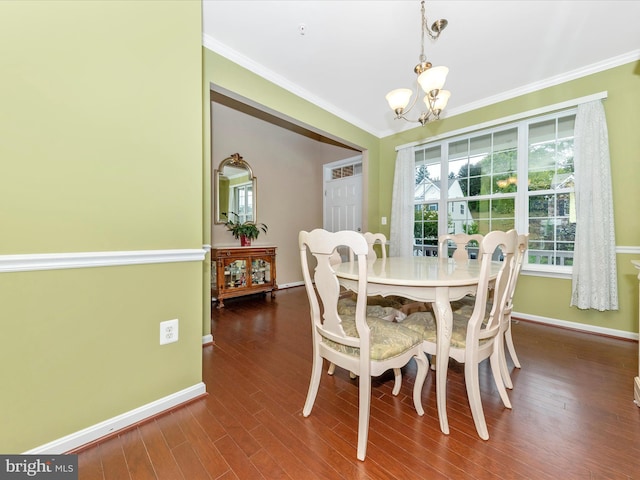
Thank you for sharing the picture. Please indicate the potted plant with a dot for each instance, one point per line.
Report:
(245, 231)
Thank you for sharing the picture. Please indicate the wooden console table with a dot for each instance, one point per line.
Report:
(238, 271)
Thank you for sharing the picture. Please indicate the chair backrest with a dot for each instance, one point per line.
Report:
(523, 245)
(461, 241)
(323, 298)
(371, 239)
(481, 325)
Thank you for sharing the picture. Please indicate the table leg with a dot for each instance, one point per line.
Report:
(444, 319)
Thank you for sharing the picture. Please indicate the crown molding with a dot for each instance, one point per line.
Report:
(273, 77)
(550, 82)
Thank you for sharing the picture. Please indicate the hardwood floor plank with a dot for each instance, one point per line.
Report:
(90, 465)
(268, 467)
(138, 461)
(160, 455)
(231, 419)
(203, 446)
(189, 463)
(237, 458)
(289, 462)
(114, 463)
(170, 430)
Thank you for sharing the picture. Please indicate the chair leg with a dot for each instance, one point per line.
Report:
(364, 393)
(421, 375)
(472, 382)
(502, 357)
(397, 373)
(332, 369)
(316, 372)
(496, 363)
(512, 350)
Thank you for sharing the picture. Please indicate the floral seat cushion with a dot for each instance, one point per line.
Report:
(347, 306)
(388, 339)
(424, 323)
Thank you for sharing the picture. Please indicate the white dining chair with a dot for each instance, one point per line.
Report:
(475, 337)
(376, 307)
(367, 346)
(462, 242)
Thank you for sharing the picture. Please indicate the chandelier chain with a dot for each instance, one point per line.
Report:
(423, 27)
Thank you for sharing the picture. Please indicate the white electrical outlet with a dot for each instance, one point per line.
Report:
(168, 331)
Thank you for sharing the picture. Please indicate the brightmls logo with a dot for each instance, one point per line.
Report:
(41, 467)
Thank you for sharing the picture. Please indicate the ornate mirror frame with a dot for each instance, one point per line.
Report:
(231, 170)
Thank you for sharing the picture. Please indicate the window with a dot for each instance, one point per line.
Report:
(513, 176)
(243, 200)
(346, 171)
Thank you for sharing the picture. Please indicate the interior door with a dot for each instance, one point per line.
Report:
(343, 195)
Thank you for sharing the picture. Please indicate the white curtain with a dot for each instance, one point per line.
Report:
(401, 240)
(594, 265)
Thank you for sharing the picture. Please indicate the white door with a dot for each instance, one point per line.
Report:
(343, 195)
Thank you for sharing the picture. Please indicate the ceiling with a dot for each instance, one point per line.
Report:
(353, 52)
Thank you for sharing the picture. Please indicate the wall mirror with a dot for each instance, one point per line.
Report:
(234, 190)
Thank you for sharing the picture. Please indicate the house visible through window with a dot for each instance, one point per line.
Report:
(513, 176)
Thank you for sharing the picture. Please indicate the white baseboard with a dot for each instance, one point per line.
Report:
(90, 434)
(207, 339)
(576, 326)
(289, 285)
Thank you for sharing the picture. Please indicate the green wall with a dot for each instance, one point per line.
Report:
(101, 150)
(550, 297)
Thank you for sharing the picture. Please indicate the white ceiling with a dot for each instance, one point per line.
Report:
(354, 51)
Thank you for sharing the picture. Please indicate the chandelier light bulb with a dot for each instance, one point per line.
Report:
(441, 100)
(433, 79)
(399, 98)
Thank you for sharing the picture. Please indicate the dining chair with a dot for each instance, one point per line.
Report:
(367, 346)
(475, 337)
(372, 239)
(462, 242)
(378, 306)
(523, 245)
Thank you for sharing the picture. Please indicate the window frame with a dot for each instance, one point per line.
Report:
(522, 194)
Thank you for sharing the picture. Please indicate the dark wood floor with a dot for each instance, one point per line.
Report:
(573, 414)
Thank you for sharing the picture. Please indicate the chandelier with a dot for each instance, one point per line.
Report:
(430, 79)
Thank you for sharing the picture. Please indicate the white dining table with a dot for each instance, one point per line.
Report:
(435, 280)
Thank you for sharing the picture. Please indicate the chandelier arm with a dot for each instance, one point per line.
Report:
(415, 96)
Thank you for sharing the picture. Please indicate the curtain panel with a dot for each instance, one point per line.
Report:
(594, 282)
(401, 238)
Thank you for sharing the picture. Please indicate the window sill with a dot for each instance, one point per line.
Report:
(565, 273)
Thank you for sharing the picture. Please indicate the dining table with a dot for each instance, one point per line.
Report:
(434, 280)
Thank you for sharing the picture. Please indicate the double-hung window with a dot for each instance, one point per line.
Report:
(518, 176)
